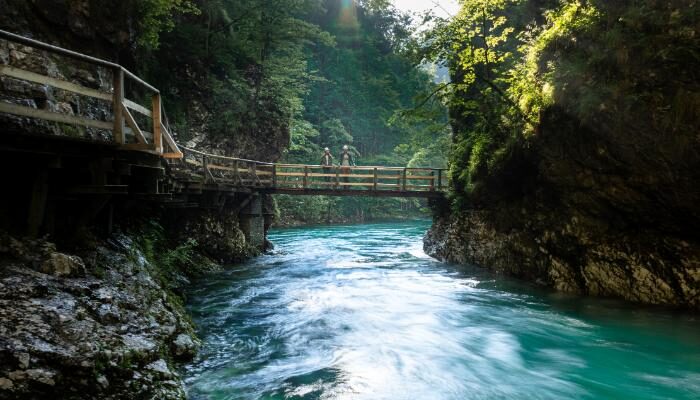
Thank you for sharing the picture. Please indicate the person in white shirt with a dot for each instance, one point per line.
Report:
(346, 161)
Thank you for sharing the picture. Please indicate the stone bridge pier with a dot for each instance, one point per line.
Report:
(252, 222)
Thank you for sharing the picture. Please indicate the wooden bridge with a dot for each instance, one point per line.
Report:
(144, 128)
(297, 179)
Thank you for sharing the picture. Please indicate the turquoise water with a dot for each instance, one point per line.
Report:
(360, 312)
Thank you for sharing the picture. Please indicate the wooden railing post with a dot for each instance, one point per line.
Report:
(117, 101)
(337, 176)
(404, 180)
(306, 177)
(254, 169)
(274, 175)
(432, 181)
(157, 121)
(375, 179)
(439, 179)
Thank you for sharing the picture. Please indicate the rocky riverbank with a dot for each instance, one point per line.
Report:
(104, 322)
(586, 179)
(571, 256)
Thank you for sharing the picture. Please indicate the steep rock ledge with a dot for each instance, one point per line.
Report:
(218, 234)
(570, 257)
(105, 323)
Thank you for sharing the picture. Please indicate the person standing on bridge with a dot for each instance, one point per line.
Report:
(346, 161)
(327, 164)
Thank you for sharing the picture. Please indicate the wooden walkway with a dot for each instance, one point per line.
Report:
(145, 128)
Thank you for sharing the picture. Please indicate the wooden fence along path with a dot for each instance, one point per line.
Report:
(145, 128)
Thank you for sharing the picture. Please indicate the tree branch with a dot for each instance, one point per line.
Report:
(432, 94)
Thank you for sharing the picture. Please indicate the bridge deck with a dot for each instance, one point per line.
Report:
(144, 128)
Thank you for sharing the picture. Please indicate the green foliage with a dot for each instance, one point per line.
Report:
(365, 82)
(247, 74)
(334, 134)
(480, 46)
(533, 85)
(244, 64)
(168, 262)
(369, 94)
(302, 144)
(627, 65)
(157, 16)
(610, 66)
(316, 210)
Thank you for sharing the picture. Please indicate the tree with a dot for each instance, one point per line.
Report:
(158, 16)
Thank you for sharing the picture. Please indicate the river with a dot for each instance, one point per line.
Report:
(360, 312)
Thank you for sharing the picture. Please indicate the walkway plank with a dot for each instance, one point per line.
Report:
(53, 116)
(57, 83)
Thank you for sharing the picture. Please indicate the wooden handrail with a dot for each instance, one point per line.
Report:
(277, 175)
(75, 55)
(302, 177)
(361, 167)
(139, 80)
(214, 168)
(226, 157)
(55, 49)
(120, 104)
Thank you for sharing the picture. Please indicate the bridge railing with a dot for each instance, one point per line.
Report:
(133, 126)
(368, 178)
(211, 168)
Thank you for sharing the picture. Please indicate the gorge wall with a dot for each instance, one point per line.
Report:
(91, 294)
(600, 193)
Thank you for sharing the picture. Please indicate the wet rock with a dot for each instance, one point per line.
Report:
(102, 381)
(6, 384)
(160, 367)
(217, 234)
(184, 347)
(4, 55)
(60, 264)
(108, 314)
(104, 295)
(69, 332)
(38, 375)
(138, 344)
(23, 359)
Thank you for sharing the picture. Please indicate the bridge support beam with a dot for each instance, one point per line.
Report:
(252, 222)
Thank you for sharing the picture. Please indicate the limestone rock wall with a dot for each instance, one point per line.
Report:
(99, 325)
(569, 256)
(44, 97)
(219, 233)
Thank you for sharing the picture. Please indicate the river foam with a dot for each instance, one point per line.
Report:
(359, 312)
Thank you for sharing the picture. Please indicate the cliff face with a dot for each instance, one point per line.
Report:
(604, 197)
(607, 213)
(99, 325)
(105, 318)
(568, 255)
(68, 24)
(99, 28)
